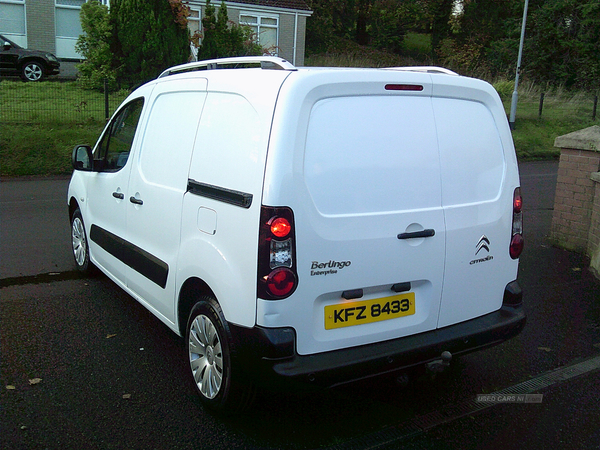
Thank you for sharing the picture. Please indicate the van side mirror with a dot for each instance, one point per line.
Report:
(7, 45)
(82, 158)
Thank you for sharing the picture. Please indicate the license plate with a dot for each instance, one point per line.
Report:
(368, 311)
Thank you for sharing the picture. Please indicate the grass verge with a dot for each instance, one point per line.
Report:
(42, 149)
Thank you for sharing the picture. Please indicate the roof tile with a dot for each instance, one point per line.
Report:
(288, 4)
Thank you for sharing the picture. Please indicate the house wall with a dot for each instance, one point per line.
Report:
(40, 25)
(287, 28)
(301, 43)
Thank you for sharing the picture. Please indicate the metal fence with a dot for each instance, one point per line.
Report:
(55, 102)
(68, 103)
(583, 106)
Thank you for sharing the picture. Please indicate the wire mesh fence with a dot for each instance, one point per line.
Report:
(556, 106)
(55, 102)
(69, 103)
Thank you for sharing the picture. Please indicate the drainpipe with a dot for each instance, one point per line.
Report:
(295, 37)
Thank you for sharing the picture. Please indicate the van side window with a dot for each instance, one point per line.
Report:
(112, 152)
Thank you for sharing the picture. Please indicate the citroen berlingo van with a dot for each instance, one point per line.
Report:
(309, 225)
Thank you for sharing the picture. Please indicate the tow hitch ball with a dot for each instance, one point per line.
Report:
(439, 365)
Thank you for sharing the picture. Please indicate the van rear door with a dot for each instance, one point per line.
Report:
(369, 221)
(479, 174)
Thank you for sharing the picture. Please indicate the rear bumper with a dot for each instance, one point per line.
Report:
(270, 355)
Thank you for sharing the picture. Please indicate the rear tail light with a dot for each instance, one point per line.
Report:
(517, 242)
(277, 276)
(281, 282)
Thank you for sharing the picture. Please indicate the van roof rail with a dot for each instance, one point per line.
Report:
(426, 69)
(265, 62)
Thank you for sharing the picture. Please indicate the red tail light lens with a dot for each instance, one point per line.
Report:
(281, 282)
(516, 246)
(277, 275)
(280, 227)
(517, 201)
(517, 242)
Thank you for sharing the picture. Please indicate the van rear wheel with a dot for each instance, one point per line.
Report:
(214, 372)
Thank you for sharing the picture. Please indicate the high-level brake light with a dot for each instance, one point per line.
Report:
(404, 87)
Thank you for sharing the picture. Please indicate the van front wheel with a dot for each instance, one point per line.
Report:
(214, 373)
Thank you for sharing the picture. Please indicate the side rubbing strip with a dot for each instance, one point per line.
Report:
(139, 260)
(221, 194)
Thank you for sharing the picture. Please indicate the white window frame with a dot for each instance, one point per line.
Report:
(259, 26)
(198, 9)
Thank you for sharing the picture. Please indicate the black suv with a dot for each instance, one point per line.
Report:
(31, 65)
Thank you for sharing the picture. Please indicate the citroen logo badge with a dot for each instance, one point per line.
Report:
(483, 244)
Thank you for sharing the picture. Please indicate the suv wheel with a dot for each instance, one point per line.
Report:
(214, 372)
(33, 71)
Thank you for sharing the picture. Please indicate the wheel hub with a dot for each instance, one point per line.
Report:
(210, 355)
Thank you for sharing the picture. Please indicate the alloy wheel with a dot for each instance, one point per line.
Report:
(79, 241)
(206, 356)
(33, 72)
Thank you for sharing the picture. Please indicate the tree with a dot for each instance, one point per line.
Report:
(94, 45)
(378, 23)
(484, 41)
(564, 43)
(439, 13)
(147, 38)
(222, 38)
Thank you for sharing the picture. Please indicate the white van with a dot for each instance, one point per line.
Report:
(318, 225)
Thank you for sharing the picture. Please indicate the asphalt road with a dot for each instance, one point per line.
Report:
(85, 366)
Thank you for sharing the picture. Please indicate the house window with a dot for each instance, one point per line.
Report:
(68, 26)
(12, 21)
(265, 29)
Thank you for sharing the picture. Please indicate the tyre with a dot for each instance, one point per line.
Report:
(80, 247)
(33, 71)
(215, 374)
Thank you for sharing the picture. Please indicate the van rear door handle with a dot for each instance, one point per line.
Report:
(118, 195)
(136, 201)
(417, 234)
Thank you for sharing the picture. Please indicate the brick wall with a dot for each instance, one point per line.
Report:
(576, 216)
(594, 235)
(574, 198)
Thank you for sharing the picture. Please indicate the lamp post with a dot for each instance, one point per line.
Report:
(515, 95)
